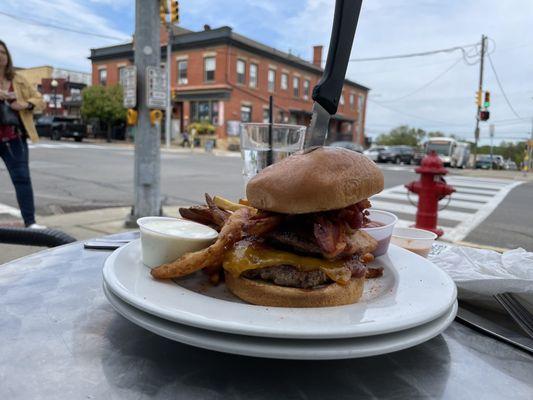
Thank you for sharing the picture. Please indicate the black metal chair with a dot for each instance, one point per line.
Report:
(34, 237)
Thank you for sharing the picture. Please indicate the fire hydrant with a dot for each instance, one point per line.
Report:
(430, 189)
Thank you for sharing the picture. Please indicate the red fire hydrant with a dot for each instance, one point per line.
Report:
(430, 189)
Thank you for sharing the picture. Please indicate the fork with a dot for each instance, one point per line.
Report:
(517, 311)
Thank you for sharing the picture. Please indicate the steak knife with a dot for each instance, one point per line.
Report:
(328, 90)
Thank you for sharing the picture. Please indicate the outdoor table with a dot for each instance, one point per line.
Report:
(61, 339)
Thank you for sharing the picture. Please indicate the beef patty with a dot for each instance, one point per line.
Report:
(287, 275)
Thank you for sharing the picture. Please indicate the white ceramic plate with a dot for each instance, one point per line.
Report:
(295, 349)
(412, 292)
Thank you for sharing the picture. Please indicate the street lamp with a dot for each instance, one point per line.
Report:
(55, 84)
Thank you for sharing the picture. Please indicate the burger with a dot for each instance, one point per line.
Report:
(315, 254)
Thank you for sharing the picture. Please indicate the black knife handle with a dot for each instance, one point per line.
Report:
(328, 90)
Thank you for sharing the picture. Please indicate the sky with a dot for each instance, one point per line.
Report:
(432, 92)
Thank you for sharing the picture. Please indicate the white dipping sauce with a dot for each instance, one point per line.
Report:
(165, 239)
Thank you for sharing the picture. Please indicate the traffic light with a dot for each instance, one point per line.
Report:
(478, 98)
(484, 115)
(175, 11)
(486, 103)
(163, 12)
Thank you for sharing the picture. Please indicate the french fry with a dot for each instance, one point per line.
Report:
(244, 202)
(228, 205)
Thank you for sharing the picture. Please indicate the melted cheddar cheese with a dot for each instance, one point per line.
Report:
(243, 258)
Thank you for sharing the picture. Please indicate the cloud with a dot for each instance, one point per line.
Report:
(37, 45)
(385, 27)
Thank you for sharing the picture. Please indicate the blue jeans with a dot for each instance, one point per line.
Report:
(15, 155)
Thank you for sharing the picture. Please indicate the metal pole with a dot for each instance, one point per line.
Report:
(270, 121)
(147, 137)
(480, 88)
(168, 113)
(531, 148)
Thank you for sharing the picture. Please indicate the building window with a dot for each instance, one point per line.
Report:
(209, 69)
(266, 115)
(121, 74)
(246, 113)
(241, 71)
(271, 80)
(296, 86)
(341, 100)
(282, 117)
(352, 100)
(284, 81)
(102, 76)
(204, 111)
(307, 85)
(182, 72)
(253, 75)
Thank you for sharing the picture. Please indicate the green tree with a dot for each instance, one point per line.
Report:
(402, 135)
(105, 104)
(509, 150)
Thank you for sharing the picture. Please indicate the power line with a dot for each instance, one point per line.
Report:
(501, 87)
(463, 50)
(427, 83)
(62, 28)
(412, 115)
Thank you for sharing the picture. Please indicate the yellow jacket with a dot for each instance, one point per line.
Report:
(28, 94)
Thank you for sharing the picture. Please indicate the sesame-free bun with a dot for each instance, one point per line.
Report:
(264, 293)
(327, 178)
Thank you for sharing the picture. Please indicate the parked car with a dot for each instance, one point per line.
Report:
(56, 127)
(348, 145)
(499, 161)
(510, 165)
(398, 154)
(418, 155)
(375, 153)
(483, 161)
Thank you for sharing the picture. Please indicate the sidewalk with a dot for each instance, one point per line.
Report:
(81, 225)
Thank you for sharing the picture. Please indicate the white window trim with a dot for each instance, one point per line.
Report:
(182, 58)
(256, 75)
(237, 71)
(186, 82)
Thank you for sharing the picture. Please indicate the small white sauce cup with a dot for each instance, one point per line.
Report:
(165, 239)
(418, 241)
(381, 233)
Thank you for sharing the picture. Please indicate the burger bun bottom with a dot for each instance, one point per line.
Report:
(264, 293)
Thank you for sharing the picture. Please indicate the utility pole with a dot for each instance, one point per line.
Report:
(147, 169)
(480, 90)
(168, 112)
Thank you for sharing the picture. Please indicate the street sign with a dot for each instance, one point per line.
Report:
(156, 86)
(129, 86)
(491, 130)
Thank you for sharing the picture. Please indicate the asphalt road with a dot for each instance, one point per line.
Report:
(72, 177)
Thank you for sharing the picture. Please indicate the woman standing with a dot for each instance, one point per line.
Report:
(18, 100)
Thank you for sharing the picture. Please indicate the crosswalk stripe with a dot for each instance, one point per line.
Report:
(470, 196)
(5, 209)
(409, 209)
(474, 198)
(453, 203)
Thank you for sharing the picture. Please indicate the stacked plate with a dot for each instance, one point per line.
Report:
(413, 302)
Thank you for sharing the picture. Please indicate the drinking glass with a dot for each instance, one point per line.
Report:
(255, 145)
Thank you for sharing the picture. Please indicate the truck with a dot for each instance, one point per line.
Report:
(452, 153)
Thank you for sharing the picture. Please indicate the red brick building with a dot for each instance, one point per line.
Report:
(225, 78)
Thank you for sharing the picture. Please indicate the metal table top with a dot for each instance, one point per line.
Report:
(61, 339)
